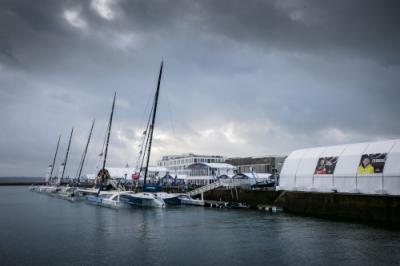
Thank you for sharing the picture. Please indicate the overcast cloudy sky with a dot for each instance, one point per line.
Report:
(242, 78)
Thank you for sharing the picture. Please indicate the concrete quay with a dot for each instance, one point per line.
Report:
(377, 209)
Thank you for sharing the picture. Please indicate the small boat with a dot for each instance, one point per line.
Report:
(236, 205)
(142, 199)
(179, 199)
(48, 189)
(263, 184)
(110, 199)
(82, 192)
(68, 193)
(187, 200)
(169, 198)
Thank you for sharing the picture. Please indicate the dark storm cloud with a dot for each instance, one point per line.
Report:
(241, 77)
(369, 29)
(365, 28)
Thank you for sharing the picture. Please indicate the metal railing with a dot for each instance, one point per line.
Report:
(229, 183)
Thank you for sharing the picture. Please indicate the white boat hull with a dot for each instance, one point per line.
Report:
(143, 199)
(106, 199)
(190, 201)
(169, 198)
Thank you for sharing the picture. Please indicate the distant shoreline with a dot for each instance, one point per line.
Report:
(21, 181)
(21, 184)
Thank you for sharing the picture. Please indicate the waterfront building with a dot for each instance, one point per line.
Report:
(370, 168)
(206, 173)
(178, 164)
(265, 164)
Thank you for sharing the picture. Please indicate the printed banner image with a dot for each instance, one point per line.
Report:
(326, 165)
(372, 163)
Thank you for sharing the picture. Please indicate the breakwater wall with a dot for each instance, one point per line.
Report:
(251, 197)
(369, 208)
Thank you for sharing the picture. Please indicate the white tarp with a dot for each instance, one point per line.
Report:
(370, 168)
(290, 168)
(392, 170)
(325, 182)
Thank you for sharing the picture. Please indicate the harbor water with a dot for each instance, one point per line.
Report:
(37, 229)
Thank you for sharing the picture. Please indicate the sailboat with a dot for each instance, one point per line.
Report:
(146, 198)
(110, 199)
(82, 162)
(68, 192)
(49, 174)
(152, 195)
(53, 183)
(57, 186)
(108, 193)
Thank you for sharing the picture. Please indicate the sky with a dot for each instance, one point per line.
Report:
(241, 78)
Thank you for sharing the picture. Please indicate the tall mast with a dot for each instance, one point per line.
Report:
(153, 120)
(145, 142)
(66, 155)
(84, 153)
(55, 156)
(108, 140)
(109, 131)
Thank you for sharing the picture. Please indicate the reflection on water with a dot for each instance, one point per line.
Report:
(38, 229)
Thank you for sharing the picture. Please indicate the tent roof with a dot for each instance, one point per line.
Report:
(215, 165)
(121, 171)
(255, 175)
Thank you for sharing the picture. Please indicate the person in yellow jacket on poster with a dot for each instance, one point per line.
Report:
(365, 166)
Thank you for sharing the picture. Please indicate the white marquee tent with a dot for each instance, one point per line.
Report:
(370, 168)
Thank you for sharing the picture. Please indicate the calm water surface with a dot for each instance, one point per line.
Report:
(37, 229)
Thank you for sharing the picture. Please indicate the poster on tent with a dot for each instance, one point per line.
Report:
(372, 163)
(326, 166)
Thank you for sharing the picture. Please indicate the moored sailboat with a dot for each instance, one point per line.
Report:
(53, 183)
(54, 186)
(69, 192)
(187, 200)
(49, 173)
(142, 199)
(146, 198)
(110, 199)
(108, 192)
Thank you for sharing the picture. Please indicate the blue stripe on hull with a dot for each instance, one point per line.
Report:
(131, 200)
(173, 201)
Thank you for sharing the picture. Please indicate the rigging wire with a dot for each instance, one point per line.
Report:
(102, 152)
(82, 161)
(148, 131)
(143, 138)
(144, 144)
